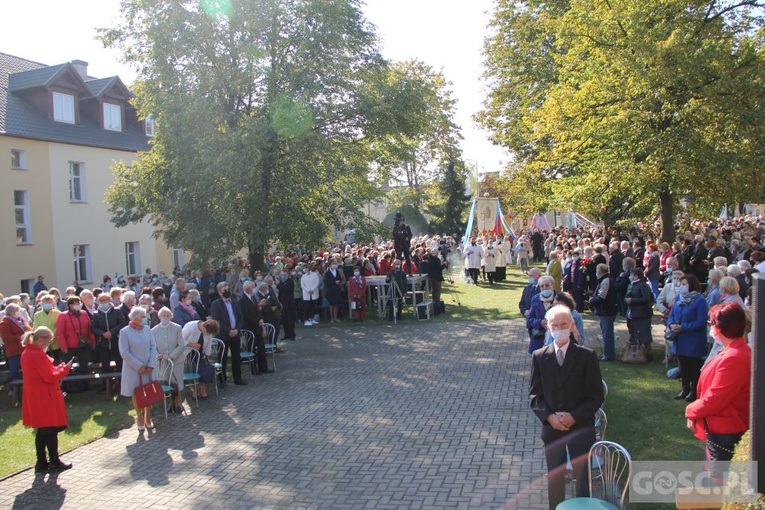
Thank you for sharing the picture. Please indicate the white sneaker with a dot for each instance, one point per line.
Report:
(313, 322)
(308, 323)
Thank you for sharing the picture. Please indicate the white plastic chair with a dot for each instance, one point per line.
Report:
(191, 372)
(248, 350)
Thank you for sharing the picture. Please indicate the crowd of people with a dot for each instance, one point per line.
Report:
(130, 325)
(700, 286)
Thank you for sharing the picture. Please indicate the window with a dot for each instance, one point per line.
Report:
(150, 126)
(112, 117)
(63, 108)
(132, 258)
(21, 203)
(82, 262)
(77, 182)
(179, 258)
(18, 159)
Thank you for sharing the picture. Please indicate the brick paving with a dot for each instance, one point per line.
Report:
(418, 415)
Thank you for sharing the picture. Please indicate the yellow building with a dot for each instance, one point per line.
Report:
(60, 131)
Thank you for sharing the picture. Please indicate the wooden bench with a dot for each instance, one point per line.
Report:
(17, 384)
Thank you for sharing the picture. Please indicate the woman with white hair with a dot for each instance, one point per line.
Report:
(734, 271)
(139, 359)
(170, 345)
(713, 287)
(729, 291)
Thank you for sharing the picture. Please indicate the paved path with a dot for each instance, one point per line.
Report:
(418, 415)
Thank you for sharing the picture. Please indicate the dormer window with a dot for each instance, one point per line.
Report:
(150, 126)
(112, 117)
(63, 108)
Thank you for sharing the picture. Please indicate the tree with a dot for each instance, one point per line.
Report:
(426, 134)
(619, 103)
(265, 121)
(448, 208)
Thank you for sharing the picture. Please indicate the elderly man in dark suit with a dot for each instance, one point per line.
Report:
(565, 392)
(252, 319)
(226, 311)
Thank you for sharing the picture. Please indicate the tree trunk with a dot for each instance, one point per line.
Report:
(667, 217)
(256, 256)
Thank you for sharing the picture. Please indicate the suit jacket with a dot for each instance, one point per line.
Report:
(251, 314)
(529, 291)
(576, 387)
(219, 312)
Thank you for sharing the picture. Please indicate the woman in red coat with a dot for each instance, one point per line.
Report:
(357, 295)
(43, 403)
(720, 414)
(12, 328)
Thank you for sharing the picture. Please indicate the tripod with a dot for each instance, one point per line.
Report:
(394, 294)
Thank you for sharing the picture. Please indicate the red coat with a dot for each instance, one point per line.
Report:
(384, 267)
(357, 289)
(723, 392)
(11, 334)
(42, 400)
(69, 327)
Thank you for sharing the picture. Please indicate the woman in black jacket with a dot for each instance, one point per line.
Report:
(639, 300)
(435, 274)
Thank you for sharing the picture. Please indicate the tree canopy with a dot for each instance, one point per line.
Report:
(266, 118)
(625, 107)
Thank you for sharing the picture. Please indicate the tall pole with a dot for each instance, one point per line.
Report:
(757, 415)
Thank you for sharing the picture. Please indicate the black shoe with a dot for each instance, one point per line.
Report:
(178, 409)
(683, 394)
(41, 467)
(267, 371)
(691, 397)
(59, 466)
(240, 383)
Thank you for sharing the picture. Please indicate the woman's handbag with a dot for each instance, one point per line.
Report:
(669, 335)
(206, 372)
(635, 354)
(148, 394)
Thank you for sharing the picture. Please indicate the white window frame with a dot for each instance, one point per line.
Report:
(179, 257)
(132, 257)
(63, 108)
(81, 257)
(25, 223)
(150, 126)
(77, 182)
(18, 159)
(112, 117)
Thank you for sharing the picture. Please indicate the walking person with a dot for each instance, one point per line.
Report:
(42, 401)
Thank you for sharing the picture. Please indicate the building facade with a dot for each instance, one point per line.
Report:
(60, 132)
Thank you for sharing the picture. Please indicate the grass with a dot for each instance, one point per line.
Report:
(642, 415)
(90, 417)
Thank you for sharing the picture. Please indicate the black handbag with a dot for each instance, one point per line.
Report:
(206, 372)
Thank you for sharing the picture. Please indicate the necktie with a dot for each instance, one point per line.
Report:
(560, 355)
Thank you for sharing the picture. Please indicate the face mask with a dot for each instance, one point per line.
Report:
(76, 308)
(155, 280)
(226, 294)
(145, 321)
(164, 321)
(47, 307)
(293, 273)
(559, 336)
(356, 274)
(334, 266)
(198, 299)
(187, 302)
(576, 258)
(104, 307)
(16, 315)
(259, 279)
(532, 281)
(546, 293)
(683, 289)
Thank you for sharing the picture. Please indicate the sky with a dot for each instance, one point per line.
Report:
(445, 34)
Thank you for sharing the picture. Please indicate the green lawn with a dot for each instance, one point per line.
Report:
(642, 415)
